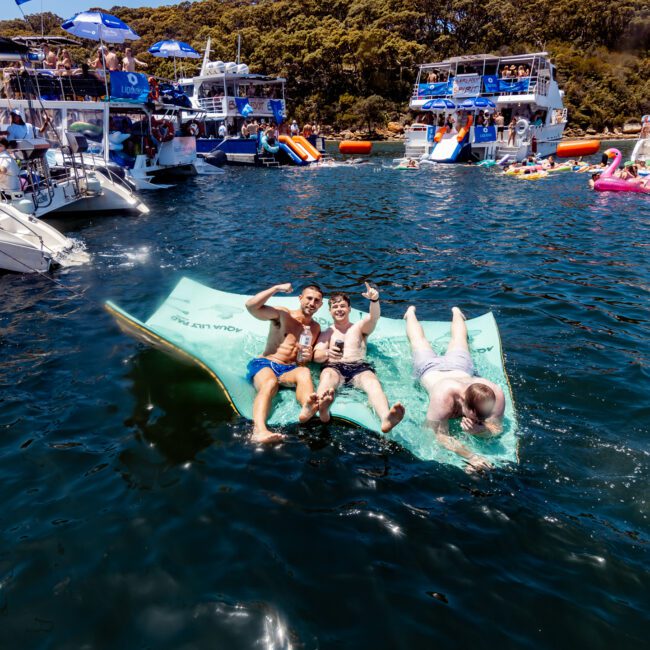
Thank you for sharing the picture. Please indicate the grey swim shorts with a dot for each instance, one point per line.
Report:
(426, 360)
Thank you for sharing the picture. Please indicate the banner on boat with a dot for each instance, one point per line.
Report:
(467, 86)
(485, 133)
(129, 86)
(440, 89)
(277, 108)
(243, 106)
(492, 84)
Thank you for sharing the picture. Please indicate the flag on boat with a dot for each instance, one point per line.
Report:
(277, 109)
(21, 2)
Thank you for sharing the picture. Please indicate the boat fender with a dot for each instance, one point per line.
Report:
(162, 130)
(521, 128)
(216, 158)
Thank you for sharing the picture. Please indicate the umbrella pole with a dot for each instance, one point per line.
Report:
(174, 68)
(101, 43)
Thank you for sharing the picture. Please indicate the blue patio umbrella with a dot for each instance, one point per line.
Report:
(174, 49)
(478, 102)
(438, 104)
(98, 26)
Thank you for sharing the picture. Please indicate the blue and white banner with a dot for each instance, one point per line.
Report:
(129, 86)
(493, 84)
(485, 133)
(243, 106)
(439, 89)
(277, 109)
(21, 2)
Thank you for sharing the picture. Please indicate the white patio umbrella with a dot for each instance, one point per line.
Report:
(98, 26)
(174, 49)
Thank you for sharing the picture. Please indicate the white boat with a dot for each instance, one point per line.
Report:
(29, 245)
(471, 89)
(68, 187)
(641, 151)
(73, 105)
(227, 93)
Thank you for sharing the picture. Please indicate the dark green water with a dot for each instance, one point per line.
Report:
(135, 514)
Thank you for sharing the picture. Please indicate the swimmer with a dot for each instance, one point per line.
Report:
(279, 363)
(454, 391)
(342, 350)
(412, 164)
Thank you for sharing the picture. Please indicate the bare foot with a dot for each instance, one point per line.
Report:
(309, 408)
(456, 310)
(324, 404)
(409, 312)
(393, 418)
(266, 437)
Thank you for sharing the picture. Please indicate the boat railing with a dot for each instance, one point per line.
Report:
(491, 85)
(35, 84)
(212, 104)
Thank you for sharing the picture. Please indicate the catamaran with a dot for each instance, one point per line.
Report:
(227, 95)
(486, 107)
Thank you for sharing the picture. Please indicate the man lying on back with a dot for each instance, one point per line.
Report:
(284, 357)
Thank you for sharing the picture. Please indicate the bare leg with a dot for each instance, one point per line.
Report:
(305, 394)
(414, 331)
(368, 382)
(267, 386)
(458, 331)
(329, 382)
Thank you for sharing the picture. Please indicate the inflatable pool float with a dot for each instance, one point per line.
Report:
(213, 330)
(271, 148)
(608, 183)
(355, 147)
(532, 176)
(559, 168)
(577, 148)
(487, 163)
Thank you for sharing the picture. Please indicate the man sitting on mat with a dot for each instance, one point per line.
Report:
(342, 348)
(283, 361)
(454, 390)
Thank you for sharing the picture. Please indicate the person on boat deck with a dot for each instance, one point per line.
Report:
(50, 59)
(64, 65)
(129, 61)
(342, 351)
(295, 129)
(454, 389)
(253, 128)
(244, 129)
(98, 62)
(9, 170)
(450, 122)
(432, 77)
(512, 131)
(284, 360)
(505, 73)
(222, 131)
(21, 130)
(112, 60)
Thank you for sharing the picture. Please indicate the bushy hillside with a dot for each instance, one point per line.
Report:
(335, 52)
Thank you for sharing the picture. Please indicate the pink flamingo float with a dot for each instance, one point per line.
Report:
(607, 182)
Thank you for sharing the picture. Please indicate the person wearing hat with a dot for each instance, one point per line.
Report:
(21, 130)
(9, 170)
(295, 129)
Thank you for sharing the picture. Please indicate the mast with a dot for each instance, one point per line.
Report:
(206, 58)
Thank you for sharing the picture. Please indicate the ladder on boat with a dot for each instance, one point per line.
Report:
(268, 161)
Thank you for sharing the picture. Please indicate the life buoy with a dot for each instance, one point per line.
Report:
(162, 130)
(271, 147)
(154, 92)
(521, 128)
(194, 128)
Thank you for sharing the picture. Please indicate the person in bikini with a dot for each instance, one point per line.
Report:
(279, 363)
(342, 350)
(454, 390)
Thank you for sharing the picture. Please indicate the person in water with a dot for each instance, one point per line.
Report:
(279, 364)
(454, 390)
(342, 350)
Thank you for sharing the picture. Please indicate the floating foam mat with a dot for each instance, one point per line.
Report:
(214, 330)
